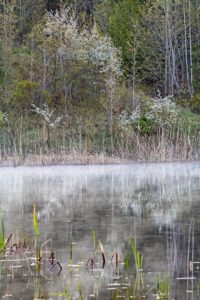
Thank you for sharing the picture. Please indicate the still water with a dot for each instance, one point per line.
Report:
(157, 206)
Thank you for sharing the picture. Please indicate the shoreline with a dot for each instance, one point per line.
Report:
(80, 159)
(71, 159)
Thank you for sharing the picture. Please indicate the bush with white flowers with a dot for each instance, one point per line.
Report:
(155, 113)
(163, 111)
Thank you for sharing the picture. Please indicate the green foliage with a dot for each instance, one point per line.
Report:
(26, 93)
(163, 288)
(196, 55)
(94, 236)
(2, 236)
(28, 13)
(3, 119)
(64, 294)
(123, 27)
(138, 257)
(2, 68)
(126, 261)
(194, 103)
(37, 238)
(145, 125)
(35, 223)
(80, 290)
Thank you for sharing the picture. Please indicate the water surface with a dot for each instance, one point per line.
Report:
(157, 205)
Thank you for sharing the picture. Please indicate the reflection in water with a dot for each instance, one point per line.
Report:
(156, 204)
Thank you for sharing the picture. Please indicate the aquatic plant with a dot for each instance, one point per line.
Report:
(94, 236)
(138, 257)
(65, 294)
(126, 261)
(91, 262)
(2, 237)
(80, 290)
(100, 249)
(37, 292)
(163, 288)
(37, 238)
(115, 259)
(35, 222)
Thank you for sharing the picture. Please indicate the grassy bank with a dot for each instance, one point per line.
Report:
(75, 91)
(91, 138)
(162, 147)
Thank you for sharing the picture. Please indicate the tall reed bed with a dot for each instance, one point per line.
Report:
(38, 144)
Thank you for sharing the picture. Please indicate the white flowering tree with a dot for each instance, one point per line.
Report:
(83, 45)
(77, 46)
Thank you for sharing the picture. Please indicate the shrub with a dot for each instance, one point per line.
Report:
(151, 115)
(27, 92)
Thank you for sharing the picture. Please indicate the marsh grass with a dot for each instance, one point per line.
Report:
(35, 223)
(138, 257)
(163, 288)
(2, 237)
(64, 294)
(94, 237)
(80, 290)
(93, 258)
(100, 249)
(67, 294)
(37, 238)
(27, 146)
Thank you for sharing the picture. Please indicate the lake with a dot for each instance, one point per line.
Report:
(146, 217)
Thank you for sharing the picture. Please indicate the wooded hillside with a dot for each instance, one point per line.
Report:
(118, 78)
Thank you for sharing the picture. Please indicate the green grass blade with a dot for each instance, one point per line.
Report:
(35, 222)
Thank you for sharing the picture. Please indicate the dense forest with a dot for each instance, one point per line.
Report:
(107, 78)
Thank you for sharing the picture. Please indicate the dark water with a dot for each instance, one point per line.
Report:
(155, 205)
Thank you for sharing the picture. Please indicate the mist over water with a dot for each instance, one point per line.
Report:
(155, 204)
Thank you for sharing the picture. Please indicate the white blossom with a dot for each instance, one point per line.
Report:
(83, 45)
(3, 118)
(162, 111)
(124, 119)
(48, 115)
(136, 114)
